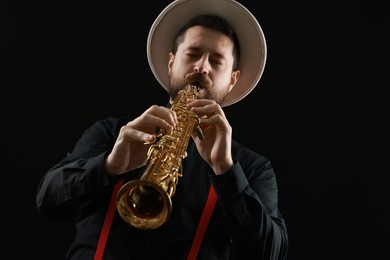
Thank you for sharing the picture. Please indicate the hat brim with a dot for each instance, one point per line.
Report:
(251, 38)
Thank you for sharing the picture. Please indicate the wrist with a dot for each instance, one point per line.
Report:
(223, 167)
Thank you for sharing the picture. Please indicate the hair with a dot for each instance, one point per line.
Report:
(211, 22)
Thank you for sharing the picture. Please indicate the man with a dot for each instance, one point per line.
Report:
(190, 43)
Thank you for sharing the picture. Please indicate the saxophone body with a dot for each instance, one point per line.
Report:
(146, 203)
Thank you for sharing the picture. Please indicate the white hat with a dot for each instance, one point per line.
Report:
(250, 35)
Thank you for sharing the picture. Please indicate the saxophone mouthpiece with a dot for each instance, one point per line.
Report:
(196, 84)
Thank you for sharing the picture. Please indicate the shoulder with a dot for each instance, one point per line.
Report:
(112, 123)
(242, 151)
(249, 158)
(105, 128)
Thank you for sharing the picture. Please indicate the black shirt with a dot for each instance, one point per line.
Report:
(246, 222)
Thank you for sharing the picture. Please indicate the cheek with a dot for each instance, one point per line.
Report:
(220, 90)
(178, 66)
(179, 70)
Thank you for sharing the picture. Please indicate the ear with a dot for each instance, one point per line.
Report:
(171, 58)
(233, 79)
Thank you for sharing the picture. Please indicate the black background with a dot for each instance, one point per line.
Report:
(320, 113)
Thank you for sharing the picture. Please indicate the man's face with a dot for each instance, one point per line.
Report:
(205, 57)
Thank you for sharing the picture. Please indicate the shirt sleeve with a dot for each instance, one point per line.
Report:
(250, 204)
(80, 177)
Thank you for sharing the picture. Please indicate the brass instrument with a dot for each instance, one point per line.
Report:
(146, 203)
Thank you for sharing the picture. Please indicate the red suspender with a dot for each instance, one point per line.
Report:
(107, 222)
(204, 221)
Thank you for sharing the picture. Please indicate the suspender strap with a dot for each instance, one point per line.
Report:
(204, 221)
(202, 226)
(107, 222)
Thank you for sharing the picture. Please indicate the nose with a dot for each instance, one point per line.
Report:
(201, 69)
(202, 65)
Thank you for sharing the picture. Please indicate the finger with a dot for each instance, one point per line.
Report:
(130, 134)
(162, 116)
(205, 107)
(162, 123)
(200, 102)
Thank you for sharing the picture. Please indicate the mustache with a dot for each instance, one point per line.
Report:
(198, 79)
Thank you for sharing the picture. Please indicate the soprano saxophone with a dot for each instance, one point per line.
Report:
(146, 203)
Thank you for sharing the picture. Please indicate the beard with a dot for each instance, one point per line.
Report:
(201, 81)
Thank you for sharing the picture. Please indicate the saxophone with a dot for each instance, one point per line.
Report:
(146, 203)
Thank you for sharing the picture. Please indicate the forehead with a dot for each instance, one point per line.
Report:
(207, 39)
